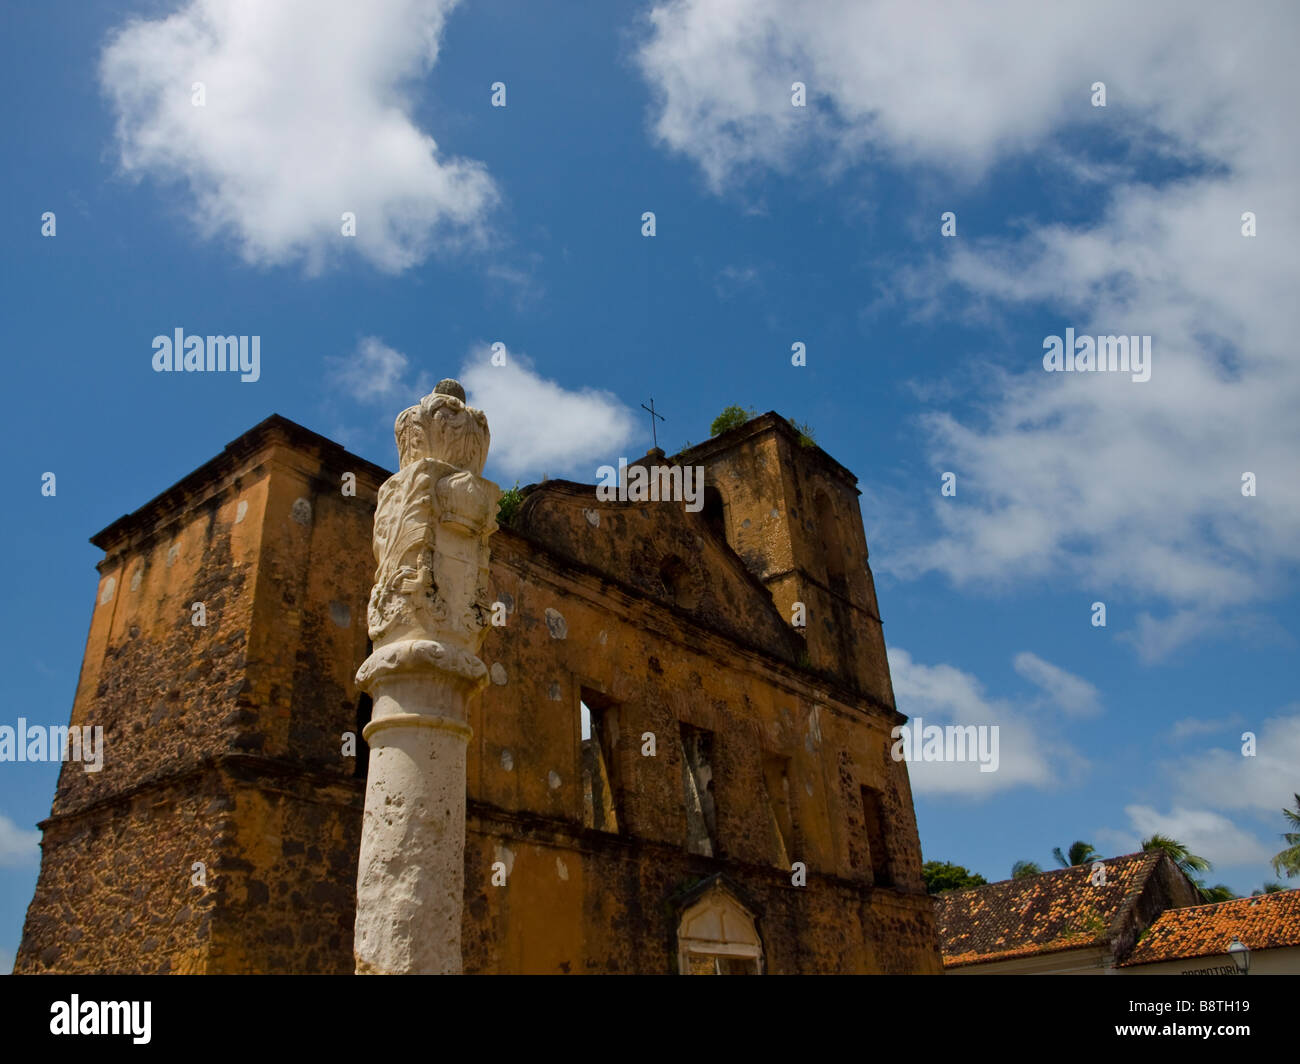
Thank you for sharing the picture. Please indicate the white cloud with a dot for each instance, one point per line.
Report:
(1072, 694)
(308, 114)
(538, 426)
(731, 281)
(1207, 834)
(944, 694)
(18, 847)
(1112, 842)
(951, 84)
(1204, 787)
(1136, 486)
(6, 961)
(1190, 726)
(1155, 638)
(374, 372)
(1262, 784)
(1093, 480)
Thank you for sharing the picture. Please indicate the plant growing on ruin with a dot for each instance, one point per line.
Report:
(805, 431)
(730, 418)
(509, 505)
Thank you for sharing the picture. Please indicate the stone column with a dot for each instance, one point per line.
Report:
(428, 615)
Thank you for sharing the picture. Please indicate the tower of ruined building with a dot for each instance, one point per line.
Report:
(220, 835)
(791, 512)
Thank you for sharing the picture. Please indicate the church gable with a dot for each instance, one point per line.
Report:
(660, 550)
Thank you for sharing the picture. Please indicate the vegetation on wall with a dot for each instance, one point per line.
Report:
(805, 431)
(738, 415)
(509, 505)
(730, 418)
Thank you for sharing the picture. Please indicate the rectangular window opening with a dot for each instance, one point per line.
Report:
(697, 788)
(776, 782)
(877, 849)
(601, 790)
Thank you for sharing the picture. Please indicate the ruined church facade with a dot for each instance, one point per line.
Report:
(664, 773)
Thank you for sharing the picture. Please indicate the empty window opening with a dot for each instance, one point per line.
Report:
(877, 850)
(776, 782)
(714, 514)
(600, 790)
(717, 936)
(697, 787)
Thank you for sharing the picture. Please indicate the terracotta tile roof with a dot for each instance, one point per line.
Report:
(1052, 911)
(1269, 921)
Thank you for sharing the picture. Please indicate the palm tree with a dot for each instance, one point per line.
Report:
(1288, 861)
(1269, 888)
(1190, 865)
(1080, 853)
(1025, 869)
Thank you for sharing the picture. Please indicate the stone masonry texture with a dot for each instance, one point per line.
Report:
(225, 744)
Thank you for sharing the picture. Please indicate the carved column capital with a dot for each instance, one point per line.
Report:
(427, 619)
(429, 605)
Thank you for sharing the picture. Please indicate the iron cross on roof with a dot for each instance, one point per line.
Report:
(654, 429)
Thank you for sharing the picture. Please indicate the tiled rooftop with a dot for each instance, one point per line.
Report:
(1269, 921)
(1052, 911)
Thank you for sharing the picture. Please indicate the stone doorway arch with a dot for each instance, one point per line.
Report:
(717, 935)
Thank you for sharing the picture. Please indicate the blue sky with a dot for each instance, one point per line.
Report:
(774, 224)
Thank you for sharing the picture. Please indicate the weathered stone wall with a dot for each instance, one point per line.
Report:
(115, 893)
(640, 544)
(165, 690)
(577, 899)
(264, 537)
(604, 905)
(285, 871)
(794, 542)
(250, 714)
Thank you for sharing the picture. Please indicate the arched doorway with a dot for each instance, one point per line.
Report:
(717, 936)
